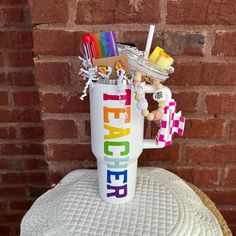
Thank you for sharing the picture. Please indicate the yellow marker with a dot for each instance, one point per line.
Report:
(155, 55)
(165, 61)
(160, 58)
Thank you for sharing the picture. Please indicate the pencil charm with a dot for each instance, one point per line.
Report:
(89, 47)
(105, 72)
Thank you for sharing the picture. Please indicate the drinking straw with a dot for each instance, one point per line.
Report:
(149, 41)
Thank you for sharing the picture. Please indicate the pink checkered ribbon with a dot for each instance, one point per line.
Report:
(171, 123)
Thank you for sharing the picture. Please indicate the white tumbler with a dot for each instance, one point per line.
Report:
(117, 140)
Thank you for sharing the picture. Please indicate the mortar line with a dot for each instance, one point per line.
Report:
(138, 27)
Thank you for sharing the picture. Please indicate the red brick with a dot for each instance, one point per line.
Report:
(4, 206)
(232, 229)
(3, 79)
(139, 38)
(63, 103)
(21, 79)
(32, 132)
(62, 152)
(110, 12)
(186, 12)
(136, 11)
(5, 115)
(12, 192)
(225, 43)
(16, 39)
(212, 154)
(37, 191)
(28, 98)
(3, 98)
(183, 72)
(183, 43)
(53, 11)
(153, 156)
(11, 2)
(200, 12)
(78, 40)
(12, 178)
(204, 129)
(5, 230)
(12, 16)
(185, 173)
(35, 164)
(53, 73)
(21, 59)
(15, 164)
(221, 103)
(233, 129)
(219, 74)
(230, 176)
(206, 176)
(3, 164)
(38, 178)
(54, 42)
(21, 204)
(62, 168)
(3, 39)
(1, 59)
(222, 13)
(24, 115)
(21, 149)
(185, 105)
(20, 39)
(87, 128)
(229, 215)
(7, 133)
(59, 129)
(222, 197)
(11, 218)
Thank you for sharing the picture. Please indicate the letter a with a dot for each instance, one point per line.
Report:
(115, 132)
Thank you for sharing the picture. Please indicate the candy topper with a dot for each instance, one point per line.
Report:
(153, 68)
(111, 62)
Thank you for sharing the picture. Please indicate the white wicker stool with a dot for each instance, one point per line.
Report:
(163, 205)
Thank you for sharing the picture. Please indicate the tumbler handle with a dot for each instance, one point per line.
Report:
(149, 143)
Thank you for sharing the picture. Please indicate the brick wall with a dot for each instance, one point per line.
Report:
(23, 170)
(200, 34)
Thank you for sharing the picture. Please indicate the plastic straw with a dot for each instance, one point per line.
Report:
(149, 41)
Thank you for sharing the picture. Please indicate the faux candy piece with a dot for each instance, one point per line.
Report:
(120, 71)
(111, 61)
(105, 72)
(119, 65)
